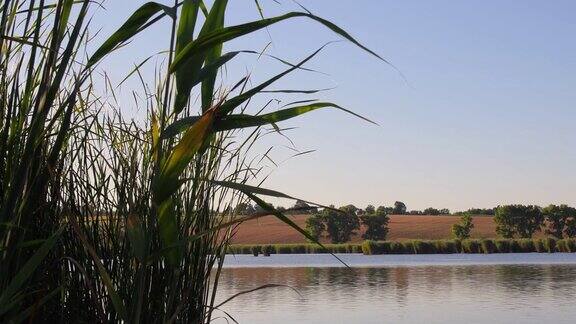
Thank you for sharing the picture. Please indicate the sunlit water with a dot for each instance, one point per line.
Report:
(497, 288)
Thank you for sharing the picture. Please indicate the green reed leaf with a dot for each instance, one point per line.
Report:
(129, 29)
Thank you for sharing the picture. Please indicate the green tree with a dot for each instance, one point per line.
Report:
(370, 209)
(340, 226)
(315, 226)
(557, 218)
(399, 208)
(301, 207)
(570, 230)
(518, 220)
(244, 209)
(376, 224)
(462, 230)
(431, 211)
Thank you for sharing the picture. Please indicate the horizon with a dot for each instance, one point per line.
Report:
(471, 127)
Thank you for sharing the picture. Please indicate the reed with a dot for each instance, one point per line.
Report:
(549, 244)
(488, 246)
(105, 219)
(469, 246)
(526, 245)
(43, 83)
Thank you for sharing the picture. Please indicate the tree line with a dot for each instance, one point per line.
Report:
(399, 208)
(512, 221)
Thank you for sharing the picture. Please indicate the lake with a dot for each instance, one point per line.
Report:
(456, 288)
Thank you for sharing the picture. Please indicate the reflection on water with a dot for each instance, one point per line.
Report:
(536, 293)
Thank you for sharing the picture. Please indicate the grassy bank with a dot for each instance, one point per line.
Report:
(545, 245)
(293, 248)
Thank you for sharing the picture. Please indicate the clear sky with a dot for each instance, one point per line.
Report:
(487, 115)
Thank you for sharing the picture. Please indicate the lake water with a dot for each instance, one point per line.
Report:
(457, 288)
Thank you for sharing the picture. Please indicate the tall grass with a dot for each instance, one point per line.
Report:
(41, 92)
(487, 246)
(306, 248)
(108, 220)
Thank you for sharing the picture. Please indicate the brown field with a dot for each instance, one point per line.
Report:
(402, 227)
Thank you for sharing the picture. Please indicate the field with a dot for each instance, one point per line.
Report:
(402, 227)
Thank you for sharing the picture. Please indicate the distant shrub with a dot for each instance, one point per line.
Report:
(562, 246)
(539, 246)
(268, 249)
(462, 230)
(571, 245)
(526, 246)
(354, 248)
(515, 246)
(423, 247)
(502, 246)
(370, 248)
(447, 246)
(408, 247)
(397, 248)
(488, 246)
(549, 244)
(256, 249)
(299, 249)
(458, 246)
(471, 246)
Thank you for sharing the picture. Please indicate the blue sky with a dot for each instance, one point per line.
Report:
(486, 116)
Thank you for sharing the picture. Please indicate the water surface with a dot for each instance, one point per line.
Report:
(459, 288)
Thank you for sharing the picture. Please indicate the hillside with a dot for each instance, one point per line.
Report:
(402, 227)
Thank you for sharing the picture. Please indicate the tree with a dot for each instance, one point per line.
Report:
(570, 230)
(370, 209)
(303, 208)
(518, 220)
(462, 230)
(350, 209)
(444, 211)
(376, 224)
(315, 226)
(281, 209)
(340, 225)
(259, 210)
(399, 208)
(557, 218)
(244, 209)
(431, 211)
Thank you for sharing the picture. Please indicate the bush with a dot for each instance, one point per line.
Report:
(369, 248)
(571, 245)
(549, 244)
(268, 249)
(515, 246)
(562, 246)
(471, 246)
(423, 247)
(488, 246)
(526, 246)
(256, 249)
(408, 247)
(399, 248)
(462, 230)
(458, 246)
(503, 246)
(447, 246)
(539, 246)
